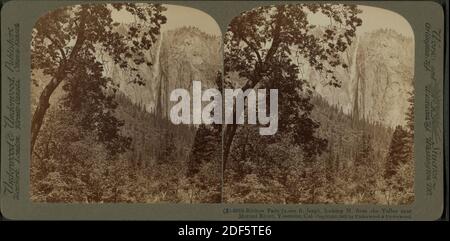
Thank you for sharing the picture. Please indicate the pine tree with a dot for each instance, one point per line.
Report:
(365, 151)
(402, 145)
(207, 142)
(398, 151)
(410, 123)
(169, 148)
(403, 181)
(365, 169)
(206, 148)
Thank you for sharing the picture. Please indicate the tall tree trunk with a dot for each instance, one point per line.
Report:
(39, 114)
(229, 133)
(258, 72)
(63, 69)
(230, 129)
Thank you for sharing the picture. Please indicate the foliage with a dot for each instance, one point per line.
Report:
(206, 148)
(260, 45)
(91, 27)
(258, 39)
(350, 170)
(320, 154)
(399, 170)
(71, 165)
(65, 43)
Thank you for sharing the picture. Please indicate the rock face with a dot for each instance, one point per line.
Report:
(378, 81)
(187, 54)
(177, 58)
(375, 86)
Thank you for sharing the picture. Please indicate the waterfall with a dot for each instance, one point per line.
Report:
(158, 78)
(354, 74)
(353, 70)
(157, 65)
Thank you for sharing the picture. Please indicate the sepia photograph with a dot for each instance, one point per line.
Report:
(113, 119)
(102, 75)
(187, 112)
(345, 79)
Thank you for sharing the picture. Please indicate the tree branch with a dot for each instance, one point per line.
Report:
(58, 45)
(253, 49)
(276, 39)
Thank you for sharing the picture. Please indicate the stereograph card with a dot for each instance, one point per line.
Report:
(217, 110)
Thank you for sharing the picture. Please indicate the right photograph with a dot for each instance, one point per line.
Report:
(345, 80)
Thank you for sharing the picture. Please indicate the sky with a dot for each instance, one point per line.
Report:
(178, 16)
(374, 18)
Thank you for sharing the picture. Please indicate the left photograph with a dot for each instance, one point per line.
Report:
(101, 82)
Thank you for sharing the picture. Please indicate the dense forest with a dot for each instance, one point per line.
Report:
(357, 165)
(346, 126)
(346, 109)
(169, 163)
(72, 166)
(100, 87)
